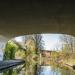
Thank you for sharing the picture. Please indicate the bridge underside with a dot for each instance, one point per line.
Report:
(37, 17)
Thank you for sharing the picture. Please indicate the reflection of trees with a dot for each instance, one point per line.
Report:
(29, 52)
(67, 72)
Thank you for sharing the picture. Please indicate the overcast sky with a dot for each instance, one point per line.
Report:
(51, 41)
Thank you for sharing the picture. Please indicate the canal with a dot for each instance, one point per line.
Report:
(35, 68)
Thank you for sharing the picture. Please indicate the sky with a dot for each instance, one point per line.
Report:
(19, 39)
(51, 41)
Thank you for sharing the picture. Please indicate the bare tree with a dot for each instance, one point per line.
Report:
(68, 43)
(39, 42)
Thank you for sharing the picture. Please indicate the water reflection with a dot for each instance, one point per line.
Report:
(47, 70)
(35, 68)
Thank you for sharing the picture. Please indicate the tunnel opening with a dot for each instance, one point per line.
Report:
(42, 49)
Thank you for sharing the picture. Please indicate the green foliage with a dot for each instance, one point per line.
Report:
(10, 50)
(14, 50)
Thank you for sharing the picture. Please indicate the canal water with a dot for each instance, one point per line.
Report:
(34, 68)
(47, 70)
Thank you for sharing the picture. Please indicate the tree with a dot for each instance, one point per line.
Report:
(33, 44)
(68, 43)
(9, 54)
(39, 42)
(10, 50)
(37, 38)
